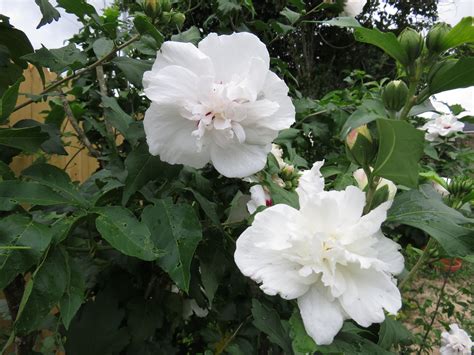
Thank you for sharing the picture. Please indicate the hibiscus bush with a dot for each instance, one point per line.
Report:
(233, 210)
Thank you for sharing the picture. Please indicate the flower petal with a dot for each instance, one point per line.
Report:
(232, 54)
(184, 55)
(322, 316)
(168, 134)
(310, 183)
(368, 293)
(259, 255)
(388, 253)
(239, 160)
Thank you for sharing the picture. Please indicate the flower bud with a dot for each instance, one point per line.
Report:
(434, 39)
(152, 8)
(166, 17)
(178, 19)
(412, 42)
(359, 146)
(166, 5)
(395, 95)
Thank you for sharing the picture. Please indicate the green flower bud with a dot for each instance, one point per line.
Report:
(165, 5)
(152, 8)
(395, 95)
(178, 19)
(165, 17)
(412, 42)
(359, 146)
(435, 37)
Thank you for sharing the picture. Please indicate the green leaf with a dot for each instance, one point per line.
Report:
(386, 41)
(74, 292)
(142, 167)
(53, 144)
(392, 332)
(290, 15)
(145, 27)
(209, 208)
(30, 192)
(115, 115)
(425, 210)
(20, 231)
(102, 47)
(460, 75)
(238, 208)
(212, 270)
(133, 69)
(190, 35)
(462, 33)
(17, 43)
(176, 229)
(58, 60)
(5, 172)
(400, 149)
(301, 341)
(28, 139)
(267, 320)
(124, 232)
(49, 13)
(226, 6)
(80, 8)
(42, 292)
(8, 100)
(368, 111)
(56, 179)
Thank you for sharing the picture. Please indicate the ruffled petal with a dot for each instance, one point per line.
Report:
(168, 135)
(388, 252)
(185, 55)
(322, 316)
(259, 252)
(239, 160)
(310, 183)
(368, 293)
(232, 55)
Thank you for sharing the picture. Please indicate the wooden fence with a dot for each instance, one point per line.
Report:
(79, 167)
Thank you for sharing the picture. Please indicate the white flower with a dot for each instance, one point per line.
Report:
(441, 125)
(216, 103)
(259, 196)
(457, 341)
(440, 188)
(334, 261)
(352, 8)
(361, 178)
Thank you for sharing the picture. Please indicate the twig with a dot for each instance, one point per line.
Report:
(221, 349)
(72, 158)
(103, 90)
(80, 72)
(82, 136)
(418, 264)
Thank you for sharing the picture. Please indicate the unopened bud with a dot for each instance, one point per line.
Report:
(178, 19)
(412, 42)
(152, 8)
(359, 146)
(166, 5)
(436, 36)
(166, 17)
(395, 95)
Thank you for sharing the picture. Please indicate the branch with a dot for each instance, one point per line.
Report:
(81, 71)
(82, 136)
(103, 90)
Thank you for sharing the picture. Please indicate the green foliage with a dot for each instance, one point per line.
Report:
(49, 13)
(459, 75)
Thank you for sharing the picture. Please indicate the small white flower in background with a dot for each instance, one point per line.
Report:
(352, 8)
(361, 178)
(455, 342)
(441, 125)
(327, 255)
(216, 103)
(259, 196)
(440, 188)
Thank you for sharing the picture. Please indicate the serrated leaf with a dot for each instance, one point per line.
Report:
(190, 35)
(400, 149)
(267, 320)
(102, 47)
(48, 11)
(462, 33)
(80, 8)
(73, 294)
(20, 231)
(460, 75)
(145, 27)
(30, 192)
(115, 115)
(425, 210)
(119, 227)
(290, 15)
(42, 292)
(27, 139)
(59, 59)
(133, 69)
(301, 341)
(56, 179)
(176, 229)
(8, 100)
